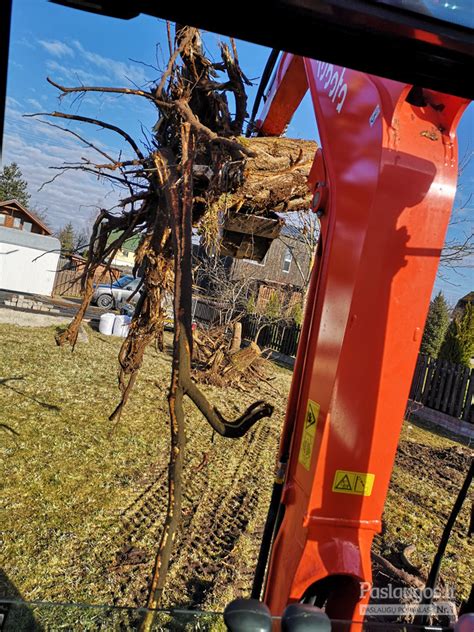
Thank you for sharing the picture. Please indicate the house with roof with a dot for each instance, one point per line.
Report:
(29, 254)
(125, 256)
(15, 215)
(463, 302)
(285, 268)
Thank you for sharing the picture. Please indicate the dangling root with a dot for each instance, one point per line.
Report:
(195, 158)
(179, 196)
(149, 315)
(99, 252)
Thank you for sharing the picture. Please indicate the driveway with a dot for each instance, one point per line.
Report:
(65, 308)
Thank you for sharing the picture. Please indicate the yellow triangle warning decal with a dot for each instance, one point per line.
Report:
(358, 483)
(309, 434)
(343, 483)
(310, 416)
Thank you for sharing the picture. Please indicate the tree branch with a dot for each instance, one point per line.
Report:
(91, 121)
(65, 90)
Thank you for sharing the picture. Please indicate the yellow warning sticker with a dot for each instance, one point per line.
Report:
(359, 483)
(309, 432)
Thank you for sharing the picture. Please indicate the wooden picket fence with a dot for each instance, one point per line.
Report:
(68, 276)
(208, 312)
(67, 283)
(280, 336)
(443, 386)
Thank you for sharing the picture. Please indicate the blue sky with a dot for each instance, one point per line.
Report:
(73, 47)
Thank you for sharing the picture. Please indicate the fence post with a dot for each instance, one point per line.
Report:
(429, 381)
(419, 377)
(457, 409)
(468, 402)
(440, 384)
(449, 393)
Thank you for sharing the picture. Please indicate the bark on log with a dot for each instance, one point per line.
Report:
(236, 337)
(276, 177)
(273, 180)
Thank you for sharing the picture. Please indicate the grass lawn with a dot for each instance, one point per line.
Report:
(82, 508)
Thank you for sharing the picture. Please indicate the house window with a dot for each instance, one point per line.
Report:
(287, 260)
(16, 222)
(27, 226)
(2, 219)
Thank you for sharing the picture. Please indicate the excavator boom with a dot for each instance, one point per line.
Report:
(384, 185)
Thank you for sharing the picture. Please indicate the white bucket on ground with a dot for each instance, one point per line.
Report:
(121, 326)
(106, 324)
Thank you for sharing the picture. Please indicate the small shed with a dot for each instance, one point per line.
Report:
(28, 261)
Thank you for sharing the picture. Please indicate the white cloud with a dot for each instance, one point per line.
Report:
(74, 74)
(36, 104)
(12, 103)
(25, 41)
(72, 195)
(57, 49)
(36, 147)
(118, 70)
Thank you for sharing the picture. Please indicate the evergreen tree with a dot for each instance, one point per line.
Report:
(297, 313)
(458, 344)
(12, 185)
(273, 309)
(436, 325)
(67, 238)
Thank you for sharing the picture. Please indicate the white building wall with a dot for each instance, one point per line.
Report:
(28, 262)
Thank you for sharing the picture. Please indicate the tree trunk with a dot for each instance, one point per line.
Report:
(274, 179)
(236, 337)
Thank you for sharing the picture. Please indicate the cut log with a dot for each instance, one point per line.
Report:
(276, 178)
(273, 181)
(219, 361)
(236, 337)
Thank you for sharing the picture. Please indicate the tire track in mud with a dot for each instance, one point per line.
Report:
(132, 533)
(219, 500)
(221, 494)
(202, 563)
(141, 522)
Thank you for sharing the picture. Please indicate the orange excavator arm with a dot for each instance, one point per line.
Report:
(384, 185)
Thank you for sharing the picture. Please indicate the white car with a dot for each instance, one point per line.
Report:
(111, 295)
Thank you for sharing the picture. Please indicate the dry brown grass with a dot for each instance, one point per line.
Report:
(82, 509)
(76, 497)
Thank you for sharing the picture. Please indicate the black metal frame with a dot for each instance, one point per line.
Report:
(5, 21)
(363, 34)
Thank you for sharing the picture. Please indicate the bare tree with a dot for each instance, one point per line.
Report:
(306, 224)
(213, 277)
(194, 167)
(458, 252)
